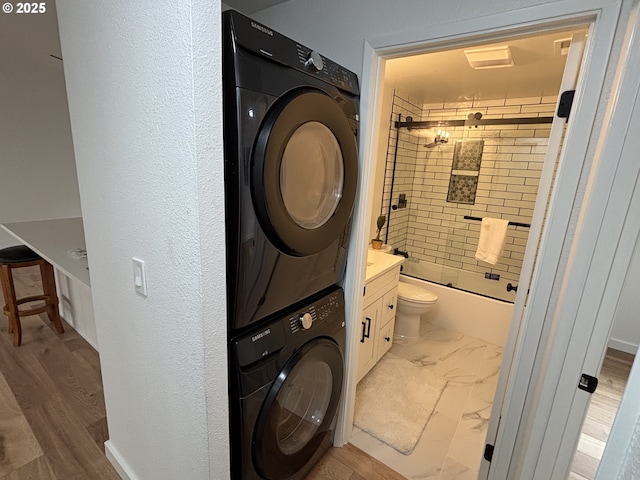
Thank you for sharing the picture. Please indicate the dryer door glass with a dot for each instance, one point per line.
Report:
(298, 412)
(304, 172)
(311, 175)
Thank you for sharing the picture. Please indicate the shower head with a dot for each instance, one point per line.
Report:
(441, 137)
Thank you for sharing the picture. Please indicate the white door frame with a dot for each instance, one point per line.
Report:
(558, 133)
(617, 221)
(603, 16)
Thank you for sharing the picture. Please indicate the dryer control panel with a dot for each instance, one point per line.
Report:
(270, 44)
(311, 61)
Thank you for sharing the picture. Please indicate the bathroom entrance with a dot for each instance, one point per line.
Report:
(467, 139)
(465, 134)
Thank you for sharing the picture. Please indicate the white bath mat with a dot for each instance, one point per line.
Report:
(395, 400)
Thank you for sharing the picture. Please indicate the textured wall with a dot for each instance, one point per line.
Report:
(631, 463)
(145, 104)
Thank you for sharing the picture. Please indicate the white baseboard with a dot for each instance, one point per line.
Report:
(118, 462)
(623, 346)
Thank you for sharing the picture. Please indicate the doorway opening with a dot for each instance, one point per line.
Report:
(458, 144)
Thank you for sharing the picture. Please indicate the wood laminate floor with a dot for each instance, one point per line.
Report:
(602, 411)
(52, 414)
(351, 463)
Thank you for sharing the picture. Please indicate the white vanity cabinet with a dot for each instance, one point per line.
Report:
(375, 329)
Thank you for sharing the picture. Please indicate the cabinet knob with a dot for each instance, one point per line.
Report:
(388, 339)
(391, 307)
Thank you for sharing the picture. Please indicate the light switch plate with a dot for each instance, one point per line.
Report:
(139, 277)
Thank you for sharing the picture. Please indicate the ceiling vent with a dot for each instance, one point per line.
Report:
(561, 47)
(494, 57)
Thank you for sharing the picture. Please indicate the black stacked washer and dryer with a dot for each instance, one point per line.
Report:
(291, 167)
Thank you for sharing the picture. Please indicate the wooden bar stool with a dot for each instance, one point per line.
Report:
(20, 257)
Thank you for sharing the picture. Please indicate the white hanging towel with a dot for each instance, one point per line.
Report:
(493, 232)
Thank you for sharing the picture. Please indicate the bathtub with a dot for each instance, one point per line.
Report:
(467, 313)
(472, 282)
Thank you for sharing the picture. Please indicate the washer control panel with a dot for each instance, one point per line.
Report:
(273, 336)
(306, 320)
(316, 312)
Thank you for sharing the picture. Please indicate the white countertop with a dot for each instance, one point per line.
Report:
(379, 263)
(52, 240)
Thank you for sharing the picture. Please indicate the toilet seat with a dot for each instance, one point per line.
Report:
(416, 294)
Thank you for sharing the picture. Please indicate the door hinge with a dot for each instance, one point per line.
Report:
(565, 103)
(588, 383)
(488, 452)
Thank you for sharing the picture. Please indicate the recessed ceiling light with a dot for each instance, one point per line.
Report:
(494, 57)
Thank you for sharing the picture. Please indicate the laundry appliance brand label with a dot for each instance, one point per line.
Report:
(262, 28)
(261, 335)
(254, 347)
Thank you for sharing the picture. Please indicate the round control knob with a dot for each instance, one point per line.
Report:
(306, 321)
(314, 61)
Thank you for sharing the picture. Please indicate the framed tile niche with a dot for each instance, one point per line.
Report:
(465, 169)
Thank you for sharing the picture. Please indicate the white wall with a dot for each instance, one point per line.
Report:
(37, 166)
(625, 334)
(144, 87)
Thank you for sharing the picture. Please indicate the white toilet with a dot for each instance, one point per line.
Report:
(413, 301)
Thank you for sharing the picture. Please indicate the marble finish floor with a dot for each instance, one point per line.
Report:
(452, 443)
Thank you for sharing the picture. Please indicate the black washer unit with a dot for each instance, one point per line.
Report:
(285, 386)
(291, 167)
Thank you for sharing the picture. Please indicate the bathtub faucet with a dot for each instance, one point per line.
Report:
(400, 252)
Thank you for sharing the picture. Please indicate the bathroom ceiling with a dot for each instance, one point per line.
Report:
(446, 76)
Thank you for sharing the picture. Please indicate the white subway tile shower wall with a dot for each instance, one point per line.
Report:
(433, 230)
(398, 221)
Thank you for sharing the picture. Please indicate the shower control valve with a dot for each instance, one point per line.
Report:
(306, 320)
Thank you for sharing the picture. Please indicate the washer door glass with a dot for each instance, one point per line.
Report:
(311, 175)
(299, 409)
(302, 404)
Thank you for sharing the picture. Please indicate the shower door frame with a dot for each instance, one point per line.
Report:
(602, 16)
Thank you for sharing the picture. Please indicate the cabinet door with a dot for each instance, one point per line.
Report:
(368, 328)
(387, 322)
(389, 303)
(385, 337)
